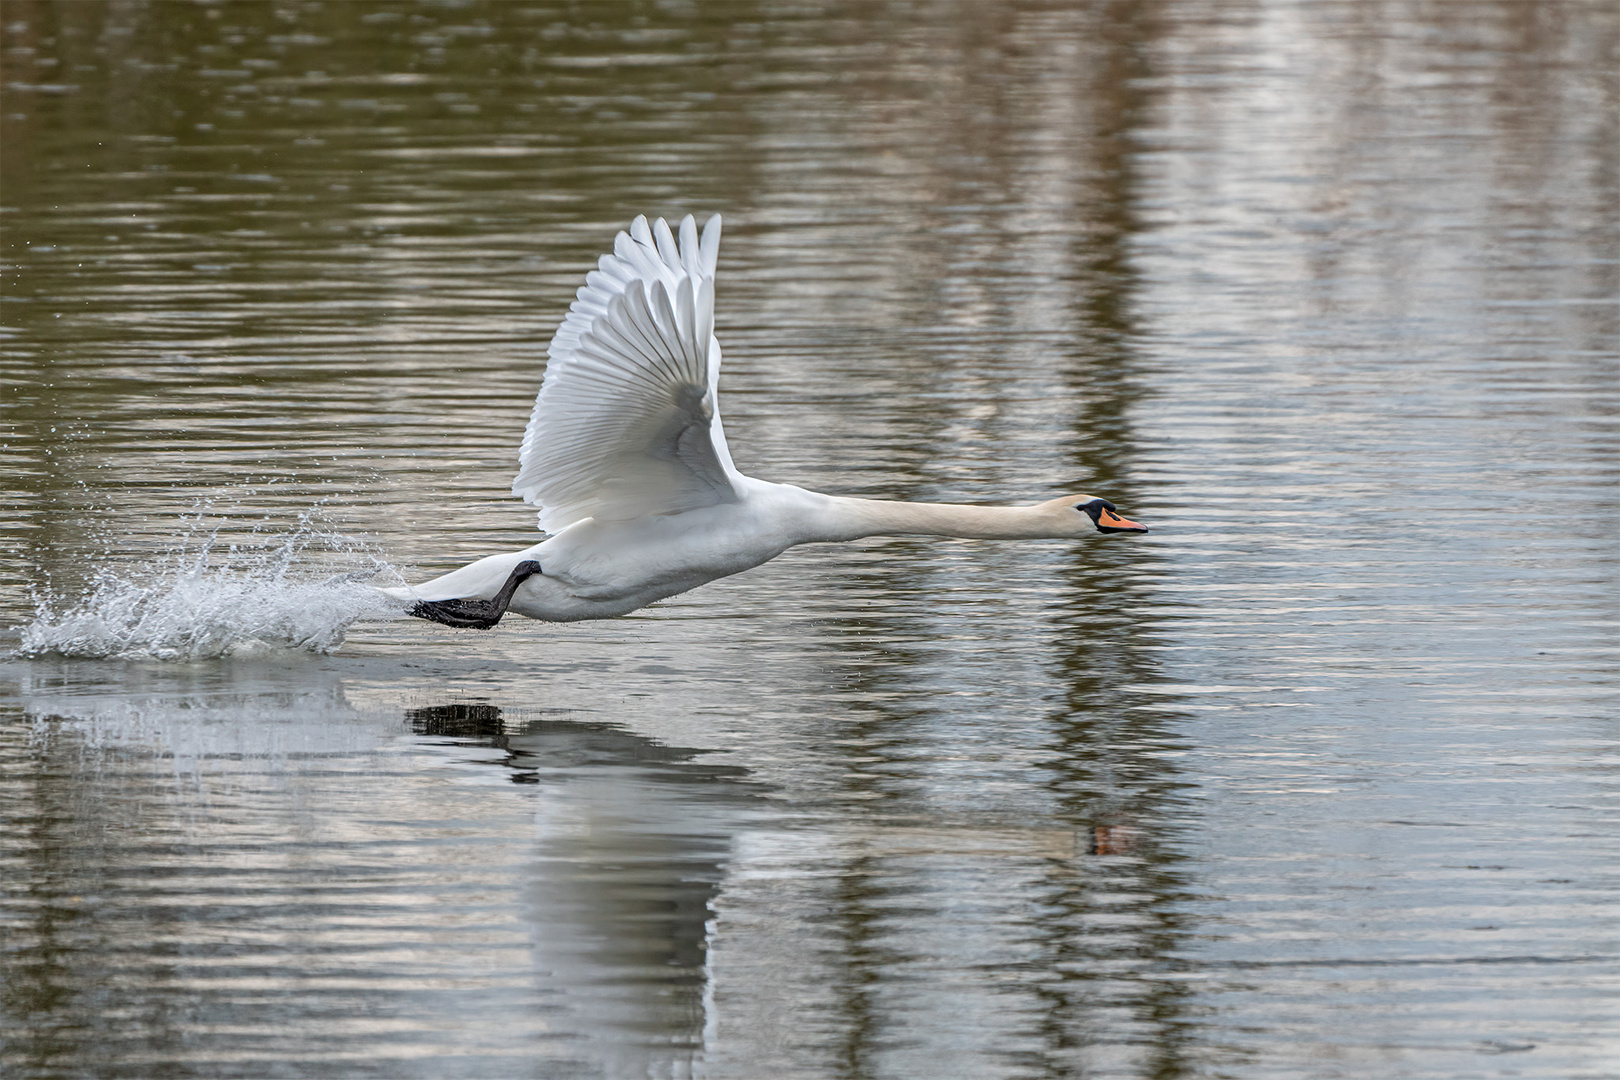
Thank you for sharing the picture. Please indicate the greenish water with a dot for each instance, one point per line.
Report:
(1317, 779)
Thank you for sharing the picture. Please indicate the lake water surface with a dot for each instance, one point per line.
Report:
(1320, 778)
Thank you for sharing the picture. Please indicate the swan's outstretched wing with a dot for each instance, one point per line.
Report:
(627, 422)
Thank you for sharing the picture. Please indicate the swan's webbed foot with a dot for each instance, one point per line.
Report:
(472, 613)
(469, 614)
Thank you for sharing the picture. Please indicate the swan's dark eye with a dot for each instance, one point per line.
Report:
(1107, 520)
(1095, 507)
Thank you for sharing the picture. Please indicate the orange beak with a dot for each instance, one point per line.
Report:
(1109, 522)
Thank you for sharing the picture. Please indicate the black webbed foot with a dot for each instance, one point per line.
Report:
(472, 613)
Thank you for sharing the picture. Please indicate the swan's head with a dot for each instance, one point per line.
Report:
(1081, 515)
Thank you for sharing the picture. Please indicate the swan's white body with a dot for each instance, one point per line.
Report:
(627, 460)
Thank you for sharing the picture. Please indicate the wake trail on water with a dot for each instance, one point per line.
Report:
(297, 590)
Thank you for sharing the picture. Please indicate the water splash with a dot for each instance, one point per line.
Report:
(298, 590)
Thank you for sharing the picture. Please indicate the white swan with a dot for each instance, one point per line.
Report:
(627, 461)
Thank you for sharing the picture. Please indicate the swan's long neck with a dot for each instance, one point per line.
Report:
(851, 519)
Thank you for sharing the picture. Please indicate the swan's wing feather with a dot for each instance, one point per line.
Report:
(627, 421)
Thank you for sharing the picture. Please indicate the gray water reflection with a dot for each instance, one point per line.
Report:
(252, 872)
(280, 874)
(635, 839)
(201, 879)
(1317, 780)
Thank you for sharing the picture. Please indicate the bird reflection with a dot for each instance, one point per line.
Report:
(634, 841)
(1112, 839)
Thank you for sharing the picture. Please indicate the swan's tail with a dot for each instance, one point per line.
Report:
(475, 581)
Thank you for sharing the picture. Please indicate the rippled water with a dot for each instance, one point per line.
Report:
(1319, 778)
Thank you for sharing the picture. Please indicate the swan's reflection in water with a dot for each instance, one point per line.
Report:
(634, 841)
(271, 859)
(682, 920)
(479, 892)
